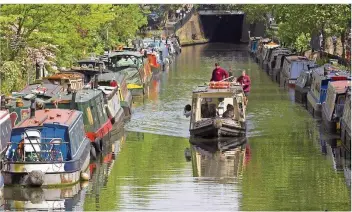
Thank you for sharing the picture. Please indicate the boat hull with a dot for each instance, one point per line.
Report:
(276, 75)
(345, 135)
(54, 174)
(301, 95)
(214, 130)
(313, 107)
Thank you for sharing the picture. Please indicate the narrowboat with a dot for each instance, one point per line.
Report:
(112, 104)
(273, 56)
(89, 68)
(119, 80)
(217, 110)
(135, 67)
(97, 124)
(303, 83)
(332, 108)
(73, 80)
(267, 51)
(259, 52)
(279, 62)
(292, 68)
(19, 103)
(345, 122)
(318, 90)
(49, 148)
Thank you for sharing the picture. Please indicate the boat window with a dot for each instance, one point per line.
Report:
(77, 135)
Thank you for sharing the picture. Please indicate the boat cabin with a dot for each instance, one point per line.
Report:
(332, 108)
(274, 54)
(304, 82)
(222, 101)
(345, 122)
(89, 68)
(5, 129)
(112, 103)
(267, 50)
(73, 80)
(91, 103)
(117, 79)
(52, 141)
(19, 102)
(318, 90)
(292, 68)
(260, 48)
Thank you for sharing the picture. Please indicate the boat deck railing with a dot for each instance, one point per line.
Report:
(54, 149)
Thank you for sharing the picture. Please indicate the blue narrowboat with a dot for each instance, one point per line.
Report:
(49, 148)
(318, 90)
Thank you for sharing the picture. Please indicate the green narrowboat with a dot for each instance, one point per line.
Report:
(345, 122)
(136, 68)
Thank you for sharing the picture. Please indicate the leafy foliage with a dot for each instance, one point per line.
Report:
(58, 34)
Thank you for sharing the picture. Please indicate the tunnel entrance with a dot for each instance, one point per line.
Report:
(223, 28)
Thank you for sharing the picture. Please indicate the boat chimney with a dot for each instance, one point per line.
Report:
(2, 102)
(69, 89)
(73, 101)
(32, 109)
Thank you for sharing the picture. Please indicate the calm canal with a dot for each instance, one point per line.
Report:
(287, 163)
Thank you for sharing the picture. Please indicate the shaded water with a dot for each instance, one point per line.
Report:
(287, 162)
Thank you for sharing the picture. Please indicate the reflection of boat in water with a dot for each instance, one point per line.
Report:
(222, 161)
(17, 198)
(333, 147)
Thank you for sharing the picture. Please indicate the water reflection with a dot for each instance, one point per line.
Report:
(18, 198)
(222, 161)
(332, 147)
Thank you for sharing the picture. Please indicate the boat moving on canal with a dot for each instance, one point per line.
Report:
(217, 110)
(47, 149)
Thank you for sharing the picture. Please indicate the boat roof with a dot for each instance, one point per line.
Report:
(3, 114)
(83, 95)
(90, 60)
(51, 116)
(292, 58)
(107, 77)
(63, 75)
(122, 53)
(340, 86)
(234, 88)
(51, 89)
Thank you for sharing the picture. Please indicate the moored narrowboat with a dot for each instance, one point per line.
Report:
(97, 124)
(318, 90)
(253, 45)
(332, 108)
(119, 80)
(89, 68)
(73, 80)
(273, 56)
(345, 122)
(292, 68)
(279, 62)
(259, 52)
(113, 104)
(303, 83)
(19, 102)
(217, 110)
(48, 149)
(135, 67)
(267, 51)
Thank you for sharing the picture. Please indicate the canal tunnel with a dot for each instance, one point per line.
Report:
(223, 28)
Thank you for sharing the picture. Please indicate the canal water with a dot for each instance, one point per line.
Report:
(286, 163)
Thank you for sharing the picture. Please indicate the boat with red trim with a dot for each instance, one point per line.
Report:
(91, 103)
(49, 148)
(208, 116)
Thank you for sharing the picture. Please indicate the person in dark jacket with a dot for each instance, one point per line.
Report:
(245, 81)
(219, 73)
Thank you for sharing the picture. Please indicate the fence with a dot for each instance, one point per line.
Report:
(180, 23)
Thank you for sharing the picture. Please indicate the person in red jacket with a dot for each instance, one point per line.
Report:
(245, 81)
(219, 73)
